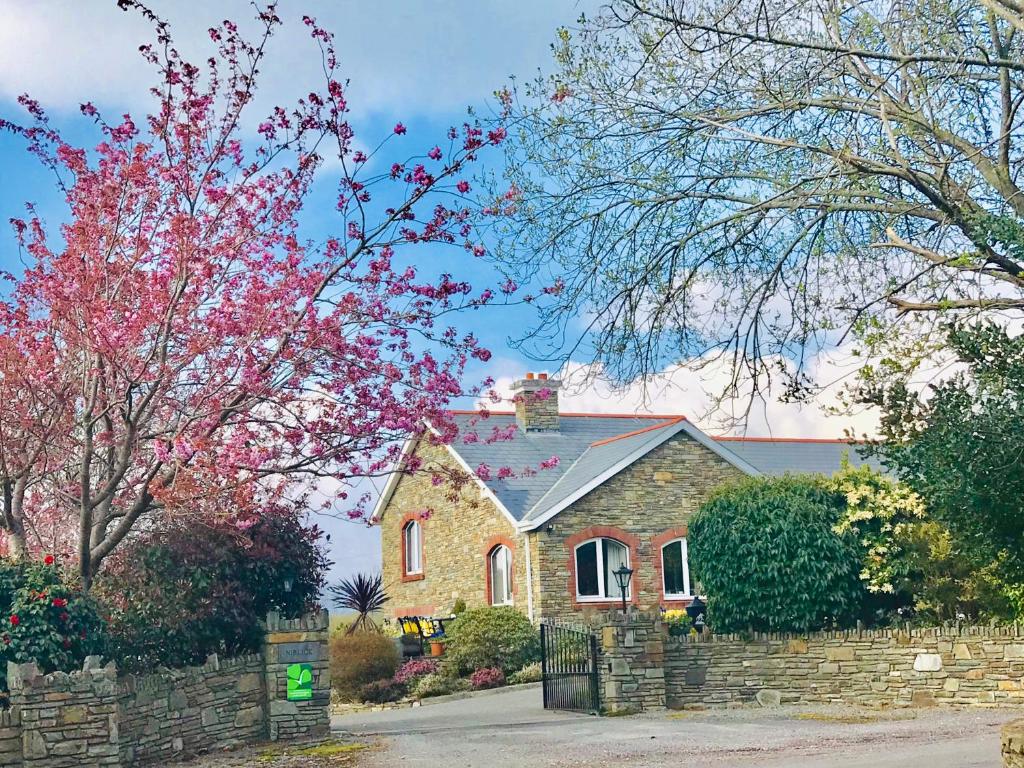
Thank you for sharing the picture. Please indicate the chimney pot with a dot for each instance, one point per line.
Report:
(529, 375)
(542, 376)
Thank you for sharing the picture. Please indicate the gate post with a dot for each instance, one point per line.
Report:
(633, 662)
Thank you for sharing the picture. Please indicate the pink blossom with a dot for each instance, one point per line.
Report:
(399, 129)
(463, 186)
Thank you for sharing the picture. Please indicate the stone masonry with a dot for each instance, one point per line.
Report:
(67, 720)
(632, 663)
(643, 668)
(653, 497)
(297, 719)
(94, 719)
(537, 404)
(881, 668)
(10, 738)
(457, 537)
(183, 711)
(1013, 744)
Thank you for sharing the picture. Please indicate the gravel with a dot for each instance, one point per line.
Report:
(513, 730)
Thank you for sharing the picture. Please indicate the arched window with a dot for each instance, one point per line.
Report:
(675, 570)
(499, 566)
(596, 562)
(412, 541)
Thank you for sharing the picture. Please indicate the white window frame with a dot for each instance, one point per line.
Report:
(602, 588)
(501, 548)
(413, 525)
(688, 592)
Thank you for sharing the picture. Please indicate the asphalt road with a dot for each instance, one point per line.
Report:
(511, 729)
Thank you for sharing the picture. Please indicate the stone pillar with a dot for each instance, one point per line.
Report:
(1013, 744)
(632, 662)
(67, 720)
(298, 678)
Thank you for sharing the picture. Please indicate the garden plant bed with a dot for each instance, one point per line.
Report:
(347, 708)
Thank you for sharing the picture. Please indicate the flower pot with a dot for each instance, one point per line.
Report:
(437, 647)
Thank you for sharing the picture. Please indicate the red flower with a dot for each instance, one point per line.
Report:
(48, 560)
(59, 602)
(67, 642)
(15, 621)
(64, 616)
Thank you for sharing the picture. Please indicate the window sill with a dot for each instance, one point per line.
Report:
(413, 577)
(602, 599)
(677, 598)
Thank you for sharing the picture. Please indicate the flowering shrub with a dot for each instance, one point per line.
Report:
(45, 617)
(488, 677)
(414, 669)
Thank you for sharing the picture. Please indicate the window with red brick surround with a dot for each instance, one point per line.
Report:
(631, 542)
(492, 544)
(657, 543)
(412, 517)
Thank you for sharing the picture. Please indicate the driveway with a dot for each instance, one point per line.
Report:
(510, 729)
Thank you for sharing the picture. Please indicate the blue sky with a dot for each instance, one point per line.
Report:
(418, 62)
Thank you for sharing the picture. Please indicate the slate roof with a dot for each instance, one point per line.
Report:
(777, 456)
(590, 445)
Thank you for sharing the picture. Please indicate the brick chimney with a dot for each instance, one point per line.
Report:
(536, 399)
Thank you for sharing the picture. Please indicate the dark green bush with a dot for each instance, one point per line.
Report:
(187, 590)
(360, 659)
(382, 691)
(768, 558)
(45, 617)
(492, 637)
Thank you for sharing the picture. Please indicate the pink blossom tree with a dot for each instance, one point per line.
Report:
(181, 347)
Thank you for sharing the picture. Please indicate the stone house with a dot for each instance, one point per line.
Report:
(547, 542)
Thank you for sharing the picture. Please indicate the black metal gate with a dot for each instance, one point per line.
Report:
(569, 668)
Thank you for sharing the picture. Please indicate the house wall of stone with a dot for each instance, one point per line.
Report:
(10, 737)
(651, 499)
(457, 533)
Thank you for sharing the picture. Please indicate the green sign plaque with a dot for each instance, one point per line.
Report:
(300, 682)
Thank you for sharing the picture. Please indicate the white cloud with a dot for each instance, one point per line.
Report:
(403, 57)
(682, 390)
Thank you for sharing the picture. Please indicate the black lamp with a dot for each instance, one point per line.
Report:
(696, 611)
(289, 582)
(622, 577)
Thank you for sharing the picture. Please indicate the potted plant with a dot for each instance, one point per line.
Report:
(437, 646)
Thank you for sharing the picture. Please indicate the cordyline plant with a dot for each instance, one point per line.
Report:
(180, 347)
(363, 594)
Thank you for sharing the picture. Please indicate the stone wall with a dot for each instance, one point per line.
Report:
(67, 720)
(182, 712)
(288, 640)
(10, 738)
(457, 537)
(919, 667)
(1013, 744)
(93, 719)
(643, 668)
(654, 496)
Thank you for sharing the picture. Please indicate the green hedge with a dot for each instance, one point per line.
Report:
(492, 637)
(766, 554)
